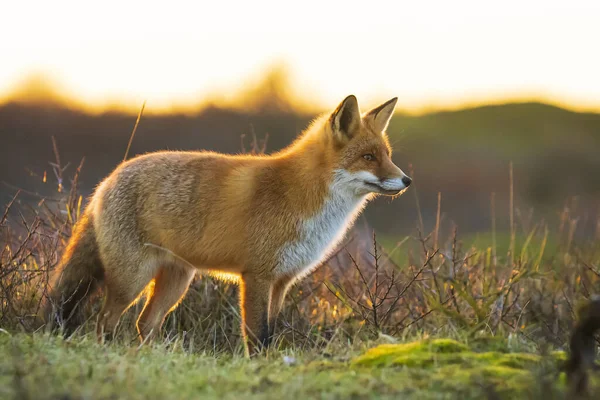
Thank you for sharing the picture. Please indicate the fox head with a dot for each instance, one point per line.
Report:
(363, 151)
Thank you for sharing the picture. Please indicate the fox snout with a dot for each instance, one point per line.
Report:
(394, 185)
(393, 180)
(389, 185)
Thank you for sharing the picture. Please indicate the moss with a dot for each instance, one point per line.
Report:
(446, 346)
(504, 372)
(489, 357)
(414, 353)
(442, 352)
(518, 360)
(430, 359)
(385, 354)
(453, 366)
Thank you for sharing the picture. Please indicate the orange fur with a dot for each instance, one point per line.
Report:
(264, 220)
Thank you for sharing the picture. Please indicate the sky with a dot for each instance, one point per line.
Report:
(430, 54)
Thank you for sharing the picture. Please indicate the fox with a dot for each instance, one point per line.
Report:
(265, 221)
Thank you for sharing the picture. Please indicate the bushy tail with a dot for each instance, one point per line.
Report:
(75, 279)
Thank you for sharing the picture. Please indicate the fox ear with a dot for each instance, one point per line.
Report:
(345, 120)
(380, 116)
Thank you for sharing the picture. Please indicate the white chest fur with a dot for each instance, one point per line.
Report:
(319, 235)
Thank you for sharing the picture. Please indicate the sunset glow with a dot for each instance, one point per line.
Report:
(181, 55)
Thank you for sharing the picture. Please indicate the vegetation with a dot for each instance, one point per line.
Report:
(47, 367)
(429, 315)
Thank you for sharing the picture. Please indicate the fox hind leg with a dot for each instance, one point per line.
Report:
(170, 286)
(120, 294)
(116, 302)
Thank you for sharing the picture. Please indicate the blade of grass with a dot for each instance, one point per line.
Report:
(137, 122)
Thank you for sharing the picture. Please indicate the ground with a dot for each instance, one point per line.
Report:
(47, 367)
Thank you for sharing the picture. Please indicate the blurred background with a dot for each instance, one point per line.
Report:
(481, 87)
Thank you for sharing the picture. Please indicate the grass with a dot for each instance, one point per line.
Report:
(436, 323)
(37, 366)
(423, 316)
(524, 246)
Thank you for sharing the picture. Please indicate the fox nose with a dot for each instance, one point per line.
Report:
(407, 181)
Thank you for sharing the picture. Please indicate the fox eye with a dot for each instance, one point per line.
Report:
(369, 157)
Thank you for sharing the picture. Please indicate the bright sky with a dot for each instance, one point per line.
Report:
(431, 54)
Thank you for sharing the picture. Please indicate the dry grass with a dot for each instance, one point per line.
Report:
(520, 286)
(443, 287)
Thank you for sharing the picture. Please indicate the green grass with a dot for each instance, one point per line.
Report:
(526, 248)
(47, 367)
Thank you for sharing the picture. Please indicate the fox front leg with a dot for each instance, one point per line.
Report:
(278, 292)
(254, 306)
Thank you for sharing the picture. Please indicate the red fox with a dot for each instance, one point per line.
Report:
(267, 220)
